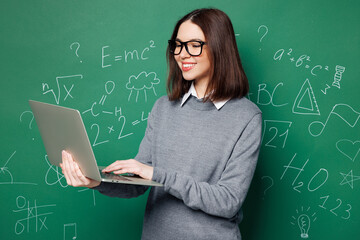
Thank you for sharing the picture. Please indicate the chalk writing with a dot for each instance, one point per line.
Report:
(345, 214)
(96, 127)
(316, 182)
(343, 111)
(264, 97)
(143, 119)
(302, 60)
(275, 133)
(126, 56)
(27, 113)
(33, 214)
(57, 96)
(269, 180)
(325, 90)
(289, 166)
(76, 50)
(266, 30)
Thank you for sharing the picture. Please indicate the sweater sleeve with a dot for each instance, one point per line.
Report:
(143, 156)
(225, 198)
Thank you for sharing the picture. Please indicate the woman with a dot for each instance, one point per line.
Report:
(202, 140)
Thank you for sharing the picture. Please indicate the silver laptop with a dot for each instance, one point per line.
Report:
(63, 129)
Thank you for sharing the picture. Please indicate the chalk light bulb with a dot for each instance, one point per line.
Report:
(304, 225)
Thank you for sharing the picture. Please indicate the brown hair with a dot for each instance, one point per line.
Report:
(227, 76)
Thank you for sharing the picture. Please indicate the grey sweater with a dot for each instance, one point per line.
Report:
(206, 159)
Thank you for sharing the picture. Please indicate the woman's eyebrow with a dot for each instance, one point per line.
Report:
(194, 39)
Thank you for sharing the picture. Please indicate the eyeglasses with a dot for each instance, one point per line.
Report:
(194, 48)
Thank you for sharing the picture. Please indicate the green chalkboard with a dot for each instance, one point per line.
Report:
(107, 59)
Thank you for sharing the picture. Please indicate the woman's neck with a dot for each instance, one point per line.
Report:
(200, 88)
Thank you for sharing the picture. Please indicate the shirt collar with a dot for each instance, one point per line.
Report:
(192, 91)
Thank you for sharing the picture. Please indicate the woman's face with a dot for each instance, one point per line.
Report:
(193, 67)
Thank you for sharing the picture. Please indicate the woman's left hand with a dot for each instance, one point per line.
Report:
(130, 166)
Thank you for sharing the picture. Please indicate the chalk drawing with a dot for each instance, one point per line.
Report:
(348, 148)
(305, 102)
(303, 221)
(349, 178)
(33, 214)
(343, 111)
(6, 176)
(142, 82)
(339, 70)
(93, 194)
(54, 175)
(70, 231)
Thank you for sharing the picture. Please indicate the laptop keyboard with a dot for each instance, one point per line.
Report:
(113, 176)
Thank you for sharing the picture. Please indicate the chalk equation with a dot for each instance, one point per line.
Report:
(98, 109)
(303, 60)
(33, 217)
(107, 59)
(58, 89)
(316, 181)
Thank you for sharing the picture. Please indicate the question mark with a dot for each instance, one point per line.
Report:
(266, 31)
(31, 121)
(272, 183)
(77, 48)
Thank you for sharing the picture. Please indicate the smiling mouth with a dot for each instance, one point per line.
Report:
(187, 66)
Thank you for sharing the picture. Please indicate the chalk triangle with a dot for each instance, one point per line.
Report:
(305, 102)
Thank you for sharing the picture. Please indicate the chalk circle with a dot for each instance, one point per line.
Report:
(20, 204)
(316, 128)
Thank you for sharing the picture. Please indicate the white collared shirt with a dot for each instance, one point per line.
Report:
(192, 91)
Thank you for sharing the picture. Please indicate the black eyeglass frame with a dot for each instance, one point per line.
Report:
(172, 42)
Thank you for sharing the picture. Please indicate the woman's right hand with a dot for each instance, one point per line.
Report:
(74, 176)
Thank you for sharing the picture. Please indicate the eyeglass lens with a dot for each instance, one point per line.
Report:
(194, 48)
